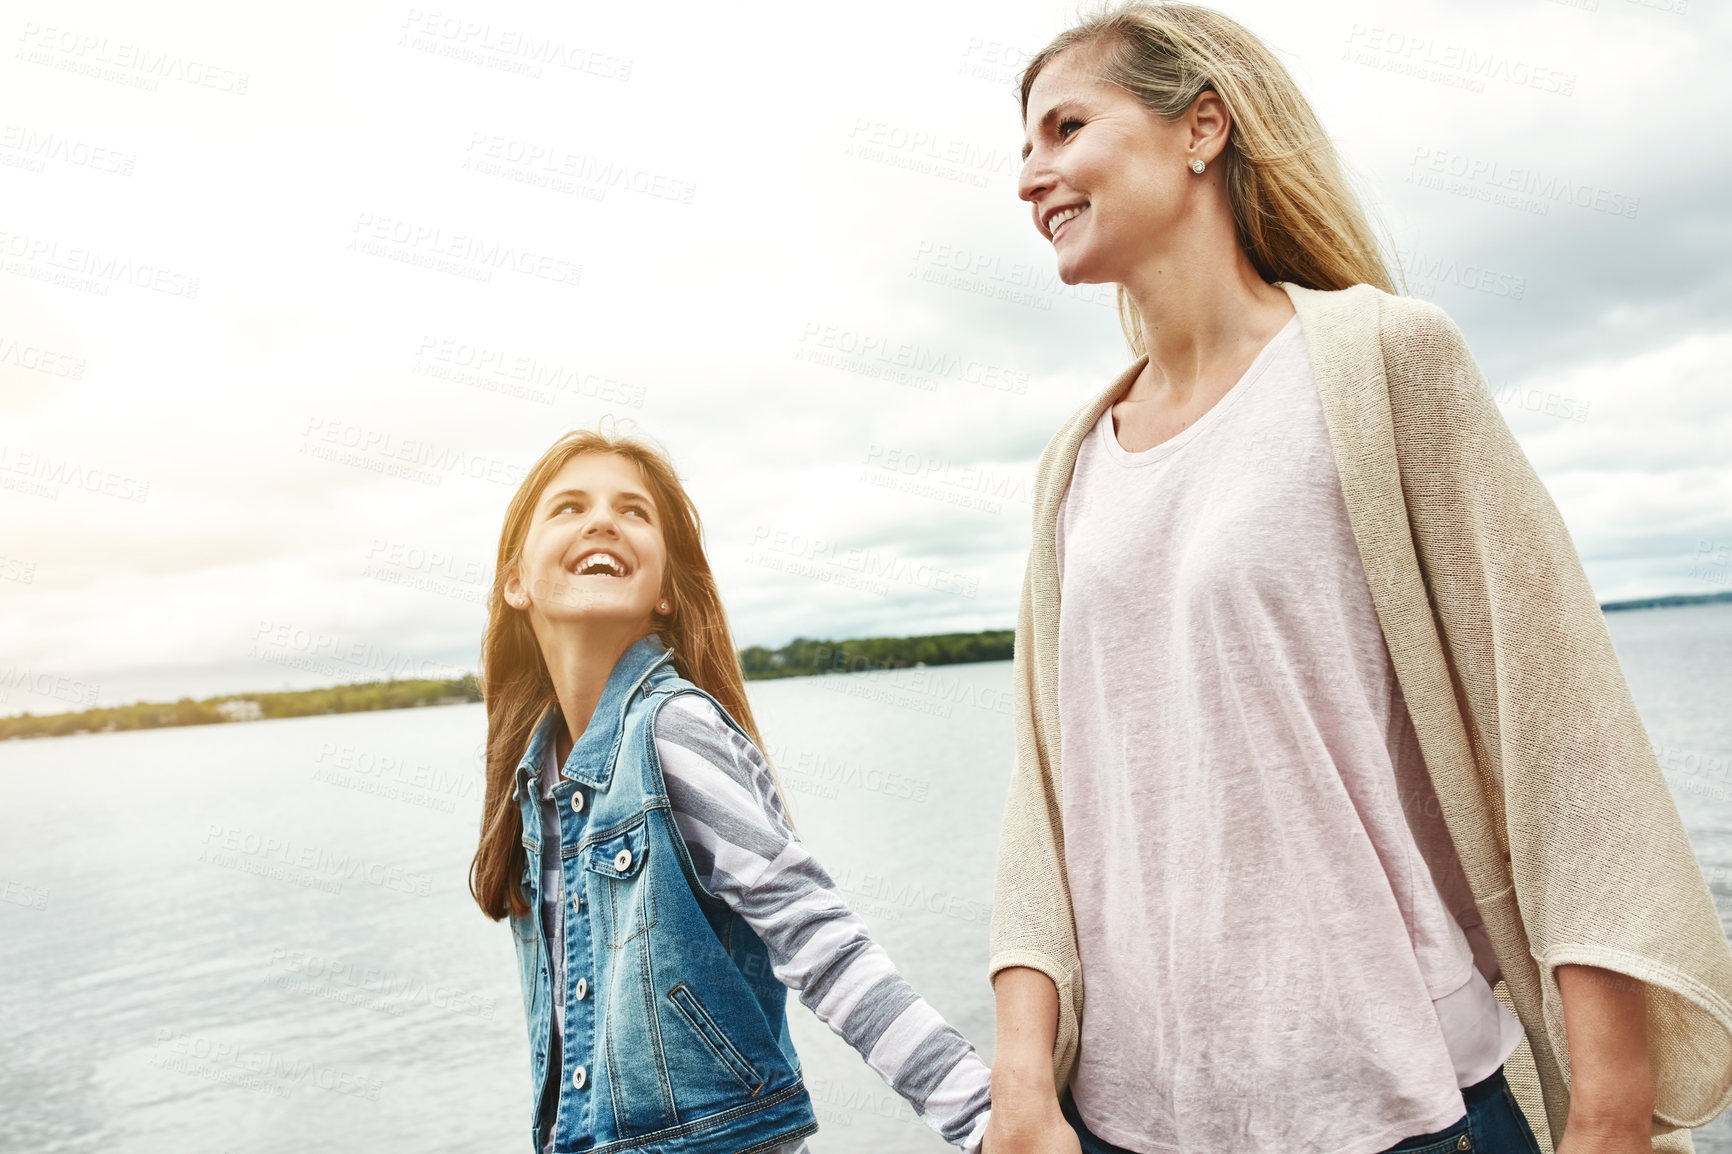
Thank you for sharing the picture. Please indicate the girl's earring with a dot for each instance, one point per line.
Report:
(1197, 166)
(662, 608)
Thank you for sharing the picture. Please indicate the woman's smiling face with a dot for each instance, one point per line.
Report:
(594, 551)
(1105, 176)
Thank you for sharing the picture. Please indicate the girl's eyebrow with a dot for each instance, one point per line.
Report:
(625, 495)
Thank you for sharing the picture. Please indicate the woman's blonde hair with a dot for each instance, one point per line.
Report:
(1297, 217)
(516, 685)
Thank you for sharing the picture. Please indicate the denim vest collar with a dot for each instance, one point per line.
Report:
(591, 759)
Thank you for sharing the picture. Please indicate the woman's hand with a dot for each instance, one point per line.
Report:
(1026, 1118)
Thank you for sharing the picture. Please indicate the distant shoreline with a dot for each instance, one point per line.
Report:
(1667, 602)
(799, 658)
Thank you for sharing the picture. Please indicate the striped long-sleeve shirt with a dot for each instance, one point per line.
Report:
(726, 806)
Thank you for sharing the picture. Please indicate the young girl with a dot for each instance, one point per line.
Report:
(661, 903)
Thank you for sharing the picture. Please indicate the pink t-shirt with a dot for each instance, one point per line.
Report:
(1269, 964)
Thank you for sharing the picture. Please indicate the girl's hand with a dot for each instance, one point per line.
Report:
(1024, 1120)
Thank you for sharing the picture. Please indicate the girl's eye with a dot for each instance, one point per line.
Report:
(1066, 127)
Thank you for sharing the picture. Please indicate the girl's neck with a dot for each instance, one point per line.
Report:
(580, 661)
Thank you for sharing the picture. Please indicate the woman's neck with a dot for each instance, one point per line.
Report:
(1202, 305)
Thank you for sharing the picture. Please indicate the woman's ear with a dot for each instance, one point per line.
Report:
(1210, 125)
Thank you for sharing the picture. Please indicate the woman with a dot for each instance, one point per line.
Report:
(1344, 740)
(661, 903)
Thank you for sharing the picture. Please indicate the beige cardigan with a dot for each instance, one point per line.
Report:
(1551, 792)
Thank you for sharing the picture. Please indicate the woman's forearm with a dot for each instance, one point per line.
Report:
(1606, 1021)
(1026, 1117)
(1027, 1003)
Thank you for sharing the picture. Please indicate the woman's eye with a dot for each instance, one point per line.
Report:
(1066, 127)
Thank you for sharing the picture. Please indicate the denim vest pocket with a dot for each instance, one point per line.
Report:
(708, 1029)
(625, 898)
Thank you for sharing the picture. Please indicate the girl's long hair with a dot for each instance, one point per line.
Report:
(1297, 217)
(516, 685)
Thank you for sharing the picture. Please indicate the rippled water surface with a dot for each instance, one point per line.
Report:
(256, 938)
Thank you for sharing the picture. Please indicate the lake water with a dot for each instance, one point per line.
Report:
(257, 938)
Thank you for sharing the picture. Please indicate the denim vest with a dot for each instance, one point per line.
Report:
(676, 1030)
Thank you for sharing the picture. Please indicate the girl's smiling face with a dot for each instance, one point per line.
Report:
(1105, 176)
(594, 552)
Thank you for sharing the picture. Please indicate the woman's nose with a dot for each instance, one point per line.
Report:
(1033, 180)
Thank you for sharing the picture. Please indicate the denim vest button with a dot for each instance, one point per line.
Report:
(577, 802)
(622, 860)
(582, 988)
(577, 902)
(578, 1078)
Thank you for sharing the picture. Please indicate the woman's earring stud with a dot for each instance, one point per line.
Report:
(1197, 166)
(662, 608)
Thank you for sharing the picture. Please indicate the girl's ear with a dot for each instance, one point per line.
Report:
(515, 596)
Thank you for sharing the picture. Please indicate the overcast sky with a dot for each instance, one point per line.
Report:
(290, 297)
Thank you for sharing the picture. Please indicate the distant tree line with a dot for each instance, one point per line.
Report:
(803, 658)
(358, 698)
(799, 658)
